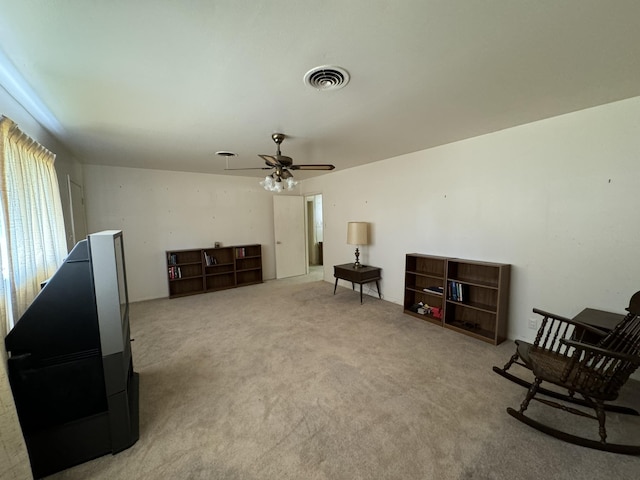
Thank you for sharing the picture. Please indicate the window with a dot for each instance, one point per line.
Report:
(32, 238)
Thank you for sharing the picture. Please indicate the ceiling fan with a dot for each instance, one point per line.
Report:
(281, 164)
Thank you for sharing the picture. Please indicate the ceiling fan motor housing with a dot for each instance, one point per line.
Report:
(282, 163)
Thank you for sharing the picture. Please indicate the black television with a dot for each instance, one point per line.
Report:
(70, 363)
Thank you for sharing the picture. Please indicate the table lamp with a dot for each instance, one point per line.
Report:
(357, 235)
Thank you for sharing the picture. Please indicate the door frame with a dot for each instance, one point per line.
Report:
(76, 209)
(307, 225)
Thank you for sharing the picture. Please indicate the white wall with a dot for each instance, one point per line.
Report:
(161, 210)
(558, 199)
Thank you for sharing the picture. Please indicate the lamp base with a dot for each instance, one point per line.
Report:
(357, 264)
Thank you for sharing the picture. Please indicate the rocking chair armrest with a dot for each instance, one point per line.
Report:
(602, 351)
(552, 315)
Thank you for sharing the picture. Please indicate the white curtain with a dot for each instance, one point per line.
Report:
(32, 236)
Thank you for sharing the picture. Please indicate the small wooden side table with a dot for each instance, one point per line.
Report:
(597, 318)
(363, 274)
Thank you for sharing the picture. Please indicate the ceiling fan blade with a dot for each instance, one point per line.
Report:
(281, 162)
(270, 160)
(251, 168)
(312, 166)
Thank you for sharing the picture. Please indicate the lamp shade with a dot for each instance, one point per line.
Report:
(357, 233)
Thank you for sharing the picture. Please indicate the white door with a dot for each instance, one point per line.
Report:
(288, 225)
(76, 204)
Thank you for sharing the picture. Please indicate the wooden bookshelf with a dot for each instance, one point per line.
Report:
(422, 273)
(203, 270)
(248, 264)
(474, 299)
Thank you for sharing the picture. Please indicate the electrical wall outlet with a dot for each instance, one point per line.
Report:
(533, 323)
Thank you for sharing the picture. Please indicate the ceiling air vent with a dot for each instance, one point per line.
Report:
(327, 77)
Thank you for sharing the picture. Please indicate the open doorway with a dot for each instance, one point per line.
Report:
(315, 226)
(76, 213)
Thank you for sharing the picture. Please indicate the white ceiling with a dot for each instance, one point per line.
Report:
(166, 84)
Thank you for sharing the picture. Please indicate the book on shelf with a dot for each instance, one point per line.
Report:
(457, 291)
(435, 290)
(209, 260)
(240, 252)
(175, 272)
(172, 259)
(454, 291)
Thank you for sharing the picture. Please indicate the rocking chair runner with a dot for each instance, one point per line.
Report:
(596, 372)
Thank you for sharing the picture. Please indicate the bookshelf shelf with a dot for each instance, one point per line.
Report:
(474, 299)
(475, 306)
(475, 284)
(203, 270)
(184, 278)
(472, 331)
(426, 275)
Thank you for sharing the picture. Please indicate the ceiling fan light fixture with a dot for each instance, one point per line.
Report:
(326, 77)
(291, 183)
(275, 183)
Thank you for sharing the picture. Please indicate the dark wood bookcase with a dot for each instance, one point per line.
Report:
(422, 274)
(248, 264)
(211, 269)
(474, 298)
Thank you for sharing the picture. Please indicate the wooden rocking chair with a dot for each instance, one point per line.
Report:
(554, 328)
(596, 372)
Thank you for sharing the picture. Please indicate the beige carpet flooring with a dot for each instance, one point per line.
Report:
(284, 380)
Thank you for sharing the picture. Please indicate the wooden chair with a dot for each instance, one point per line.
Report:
(553, 329)
(596, 372)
